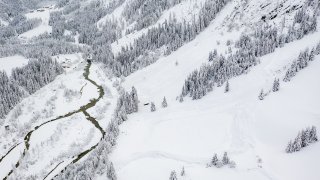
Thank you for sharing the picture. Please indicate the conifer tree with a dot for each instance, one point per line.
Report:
(313, 134)
(225, 159)
(134, 98)
(289, 147)
(164, 102)
(153, 107)
(173, 176)
(111, 173)
(183, 172)
(226, 87)
(261, 95)
(215, 160)
(276, 85)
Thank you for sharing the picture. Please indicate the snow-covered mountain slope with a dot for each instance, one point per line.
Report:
(103, 116)
(255, 133)
(188, 134)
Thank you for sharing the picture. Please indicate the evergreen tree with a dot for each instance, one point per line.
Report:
(304, 139)
(181, 98)
(215, 160)
(173, 175)
(289, 148)
(276, 85)
(164, 102)
(297, 143)
(153, 107)
(134, 98)
(225, 159)
(183, 172)
(111, 173)
(227, 87)
(313, 134)
(261, 95)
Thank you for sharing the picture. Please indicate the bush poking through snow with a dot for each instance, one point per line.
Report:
(303, 139)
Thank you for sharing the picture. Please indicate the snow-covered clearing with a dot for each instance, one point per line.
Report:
(44, 15)
(8, 63)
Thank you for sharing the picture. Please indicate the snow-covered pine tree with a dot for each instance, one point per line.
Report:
(214, 160)
(226, 89)
(296, 146)
(261, 95)
(134, 99)
(225, 159)
(304, 138)
(173, 175)
(181, 98)
(276, 85)
(152, 107)
(164, 102)
(183, 172)
(111, 173)
(313, 134)
(213, 55)
(289, 148)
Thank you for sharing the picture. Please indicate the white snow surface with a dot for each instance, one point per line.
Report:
(44, 15)
(11, 62)
(188, 134)
(254, 133)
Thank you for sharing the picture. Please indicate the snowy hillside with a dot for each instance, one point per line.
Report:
(159, 89)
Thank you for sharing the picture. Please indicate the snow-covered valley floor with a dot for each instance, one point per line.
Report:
(60, 130)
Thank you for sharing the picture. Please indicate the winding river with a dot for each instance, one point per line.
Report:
(83, 109)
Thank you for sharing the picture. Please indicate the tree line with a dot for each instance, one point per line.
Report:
(168, 36)
(24, 81)
(304, 138)
(264, 40)
(145, 12)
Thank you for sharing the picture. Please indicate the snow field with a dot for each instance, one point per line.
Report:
(11, 62)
